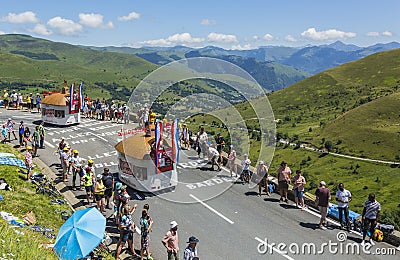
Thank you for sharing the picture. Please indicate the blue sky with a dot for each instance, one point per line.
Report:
(229, 24)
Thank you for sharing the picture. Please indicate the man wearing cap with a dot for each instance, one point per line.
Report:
(171, 241)
(76, 166)
(108, 180)
(262, 173)
(28, 161)
(88, 180)
(323, 196)
(64, 163)
(190, 252)
(117, 201)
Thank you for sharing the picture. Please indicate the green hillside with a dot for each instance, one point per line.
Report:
(307, 110)
(27, 60)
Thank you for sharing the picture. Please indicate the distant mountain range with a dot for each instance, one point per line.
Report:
(308, 59)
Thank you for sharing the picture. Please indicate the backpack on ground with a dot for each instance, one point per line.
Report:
(378, 235)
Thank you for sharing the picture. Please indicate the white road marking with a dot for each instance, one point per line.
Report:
(49, 144)
(273, 248)
(210, 208)
(98, 136)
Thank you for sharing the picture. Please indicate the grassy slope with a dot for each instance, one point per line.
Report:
(74, 63)
(370, 130)
(319, 100)
(18, 202)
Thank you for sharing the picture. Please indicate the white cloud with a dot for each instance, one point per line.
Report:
(290, 38)
(1, 32)
(218, 37)
(240, 47)
(91, 20)
(176, 39)
(255, 38)
(129, 17)
(268, 37)
(208, 22)
(372, 34)
(25, 17)
(65, 26)
(387, 33)
(41, 30)
(331, 34)
(109, 25)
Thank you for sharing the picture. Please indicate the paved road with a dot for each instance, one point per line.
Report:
(227, 217)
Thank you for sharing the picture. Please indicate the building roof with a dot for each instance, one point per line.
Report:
(56, 99)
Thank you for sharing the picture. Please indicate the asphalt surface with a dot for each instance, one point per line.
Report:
(227, 217)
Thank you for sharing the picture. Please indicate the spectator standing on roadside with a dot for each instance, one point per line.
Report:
(76, 165)
(42, 133)
(127, 228)
(20, 101)
(21, 130)
(190, 252)
(4, 133)
(370, 217)
(220, 145)
(6, 99)
(28, 103)
(10, 128)
(28, 161)
(323, 196)
(88, 180)
(343, 197)
(117, 201)
(36, 141)
(38, 103)
(231, 160)
(98, 192)
(262, 173)
(171, 241)
(284, 173)
(126, 110)
(108, 181)
(64, 163)
(298, 188)
(145, 229)
(202, 139)
(27, 136)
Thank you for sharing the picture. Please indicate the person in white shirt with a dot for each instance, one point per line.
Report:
(190, 252)
(213, 156)
(343, 197)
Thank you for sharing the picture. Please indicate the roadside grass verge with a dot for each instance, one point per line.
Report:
(19, 201)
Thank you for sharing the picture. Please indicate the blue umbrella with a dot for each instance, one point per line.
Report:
(80, 234)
